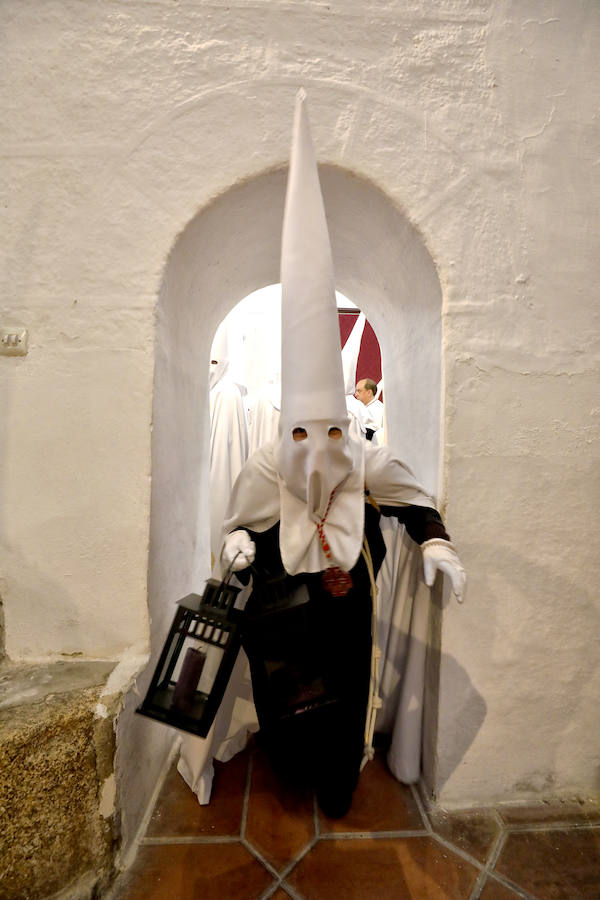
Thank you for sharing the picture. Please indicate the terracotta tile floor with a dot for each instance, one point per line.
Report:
(261, 839)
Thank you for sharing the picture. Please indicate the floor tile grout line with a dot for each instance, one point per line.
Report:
(278, 876)
(490, 861)
(488, 868)
(421, 807)
(490, 877)
(293, 893)
(498, 820)
(282, 875)
(260, 858)
(371, 835)
(316, 820)
(512, 885)
(491, 868)
(246, 802)
(300, 856)
(479, 885)
(270, 890)
(458, 851)
(190, 839)
(555, 826)
(496, 851)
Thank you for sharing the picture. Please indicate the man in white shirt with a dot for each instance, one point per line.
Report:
(366, 390)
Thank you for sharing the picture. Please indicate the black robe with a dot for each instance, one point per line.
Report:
(310, 660)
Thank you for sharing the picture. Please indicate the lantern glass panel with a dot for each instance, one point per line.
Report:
(194, 673)
(196, 662)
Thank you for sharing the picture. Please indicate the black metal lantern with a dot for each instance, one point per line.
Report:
(196, 661)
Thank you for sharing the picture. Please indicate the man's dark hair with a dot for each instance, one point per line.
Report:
(371, 385)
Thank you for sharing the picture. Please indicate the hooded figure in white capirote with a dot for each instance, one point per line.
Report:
(228, 433)
(228, 453)
(303, 525)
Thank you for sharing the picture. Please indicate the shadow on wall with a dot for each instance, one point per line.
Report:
(546, 660)
(470, 713)
(410, 636)
(468, 705)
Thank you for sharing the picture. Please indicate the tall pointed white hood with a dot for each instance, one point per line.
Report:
(311, 370)
(219, 355)
(351, 352)
(320, 467)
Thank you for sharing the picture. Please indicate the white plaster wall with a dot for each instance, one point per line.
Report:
(476, 119)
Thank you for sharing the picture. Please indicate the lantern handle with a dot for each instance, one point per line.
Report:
(229, 569)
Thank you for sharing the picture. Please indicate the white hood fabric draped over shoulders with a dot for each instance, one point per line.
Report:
(259, 495)
(260, 499)
(390, 481)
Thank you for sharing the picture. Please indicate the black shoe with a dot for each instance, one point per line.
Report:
(334, 803)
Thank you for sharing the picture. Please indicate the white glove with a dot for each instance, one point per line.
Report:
(238, 550)
(441, 555)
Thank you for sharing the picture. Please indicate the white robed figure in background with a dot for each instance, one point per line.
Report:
(228, 453)
(228, 433)
(402, 609)
(265, 415)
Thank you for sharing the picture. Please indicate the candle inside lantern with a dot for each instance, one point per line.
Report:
(187, 683)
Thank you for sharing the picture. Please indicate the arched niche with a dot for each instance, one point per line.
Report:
(231, 248)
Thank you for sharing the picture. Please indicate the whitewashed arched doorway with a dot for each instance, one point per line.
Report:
(229, 249)
(232, 248)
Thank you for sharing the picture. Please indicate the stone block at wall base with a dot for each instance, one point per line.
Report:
(58, 826)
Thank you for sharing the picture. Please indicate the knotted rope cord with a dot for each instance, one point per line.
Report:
(375, 702)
